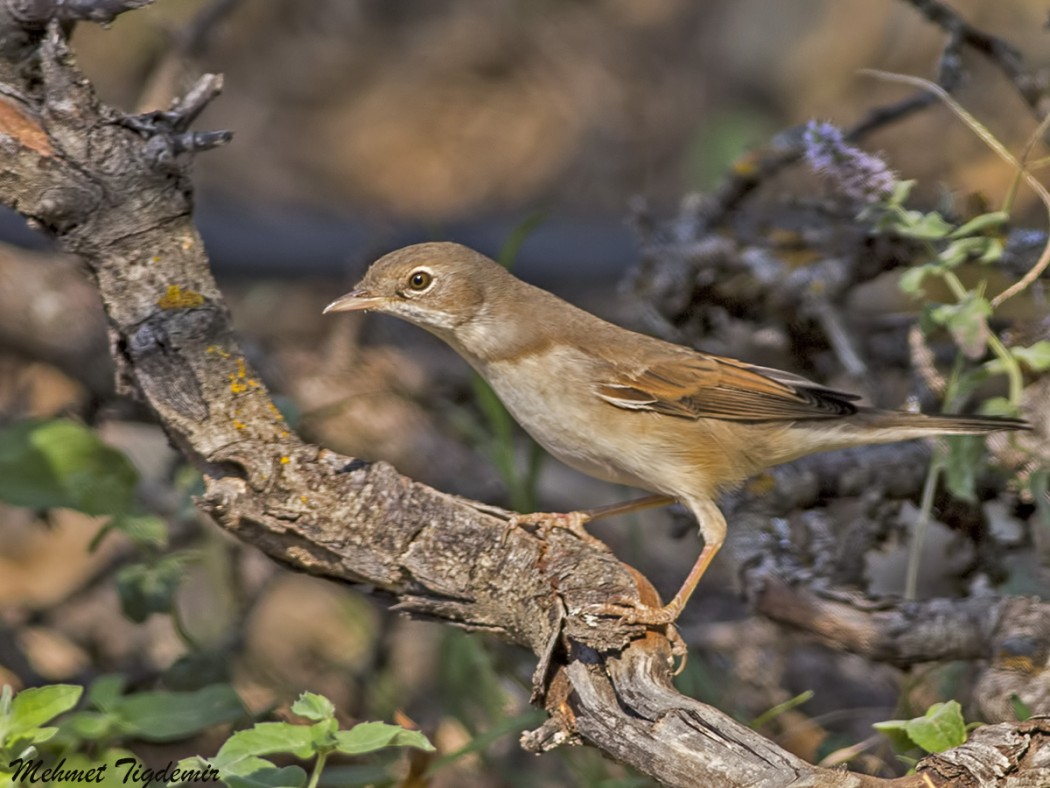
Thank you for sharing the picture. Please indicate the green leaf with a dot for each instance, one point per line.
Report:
(110, 776)
(993, 251)
(771, 714)
(106, 691)
(912, 279)
(982, 249)
(144, 530)
(322, 735)
(91, 725)
(145, 589)
(372, 736)
(508, 255)
(961, 464)
(1036, 357)
(999, 406)
(265, 738)
(978, 224)
(923, 226)
(900, 193)
(253, 773)
(960, 251)
(1022, 711)
(168, 716)
(967, 322)
(314, 707)
(62, 464)
(199, 668)
(940, 729)
(269, 777)
(32, 707)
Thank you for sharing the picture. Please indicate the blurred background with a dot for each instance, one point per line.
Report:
(537, 128)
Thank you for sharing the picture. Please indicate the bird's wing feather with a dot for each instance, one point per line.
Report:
(697, 385)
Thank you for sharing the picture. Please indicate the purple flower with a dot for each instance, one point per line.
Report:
(857, 174)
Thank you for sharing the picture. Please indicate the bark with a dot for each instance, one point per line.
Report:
(116, 191)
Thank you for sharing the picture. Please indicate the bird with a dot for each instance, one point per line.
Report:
(623, 406)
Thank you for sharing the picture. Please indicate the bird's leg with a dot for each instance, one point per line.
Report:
(575, 521)
(713, 529)
(626, 507)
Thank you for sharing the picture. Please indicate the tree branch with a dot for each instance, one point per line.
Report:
(92, 177)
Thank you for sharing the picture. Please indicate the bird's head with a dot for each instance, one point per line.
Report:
(437, 286)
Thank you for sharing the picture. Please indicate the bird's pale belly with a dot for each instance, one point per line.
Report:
(625, 447)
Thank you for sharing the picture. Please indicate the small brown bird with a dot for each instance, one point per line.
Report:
(626, 407)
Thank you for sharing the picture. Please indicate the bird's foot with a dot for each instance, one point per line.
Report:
(632, 611)
(573, 522)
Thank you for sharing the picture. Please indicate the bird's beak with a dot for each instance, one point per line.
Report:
(356, 300)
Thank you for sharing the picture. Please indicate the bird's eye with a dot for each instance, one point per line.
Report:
(420, 280)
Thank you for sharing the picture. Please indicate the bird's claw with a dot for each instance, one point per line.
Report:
(632, 611)
(573, 522)
(629, 611)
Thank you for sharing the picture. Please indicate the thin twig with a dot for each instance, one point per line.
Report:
(998, 51)
(1000, 150)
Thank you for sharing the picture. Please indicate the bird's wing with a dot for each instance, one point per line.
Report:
(697, 385)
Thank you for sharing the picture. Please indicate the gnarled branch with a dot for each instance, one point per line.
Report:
(92, 177)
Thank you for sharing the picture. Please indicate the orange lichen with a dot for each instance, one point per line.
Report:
(177, 298)
(746, 165)
(239, 380)
(26, 131)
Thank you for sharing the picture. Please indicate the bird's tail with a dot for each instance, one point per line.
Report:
(899, 425)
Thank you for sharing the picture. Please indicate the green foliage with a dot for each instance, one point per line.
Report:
(62, 464)
(508, 255)
(771, 714)
(150, 587)
(940, 728)
(1036, 357)
(961, 463)
(967, 322)
(24, 718)
(240, 762)
(88, 739)
(154, 716)
(982, 354)
(1022, 711)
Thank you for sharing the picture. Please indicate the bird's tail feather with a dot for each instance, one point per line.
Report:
(898, 425)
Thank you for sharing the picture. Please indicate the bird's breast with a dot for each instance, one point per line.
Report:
(551, 395)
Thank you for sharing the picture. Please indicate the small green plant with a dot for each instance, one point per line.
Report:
(62, 464)
(945, 248)
(239, 763)
(24, 722)
(89, 745)
(941, 728)
(769, 715)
